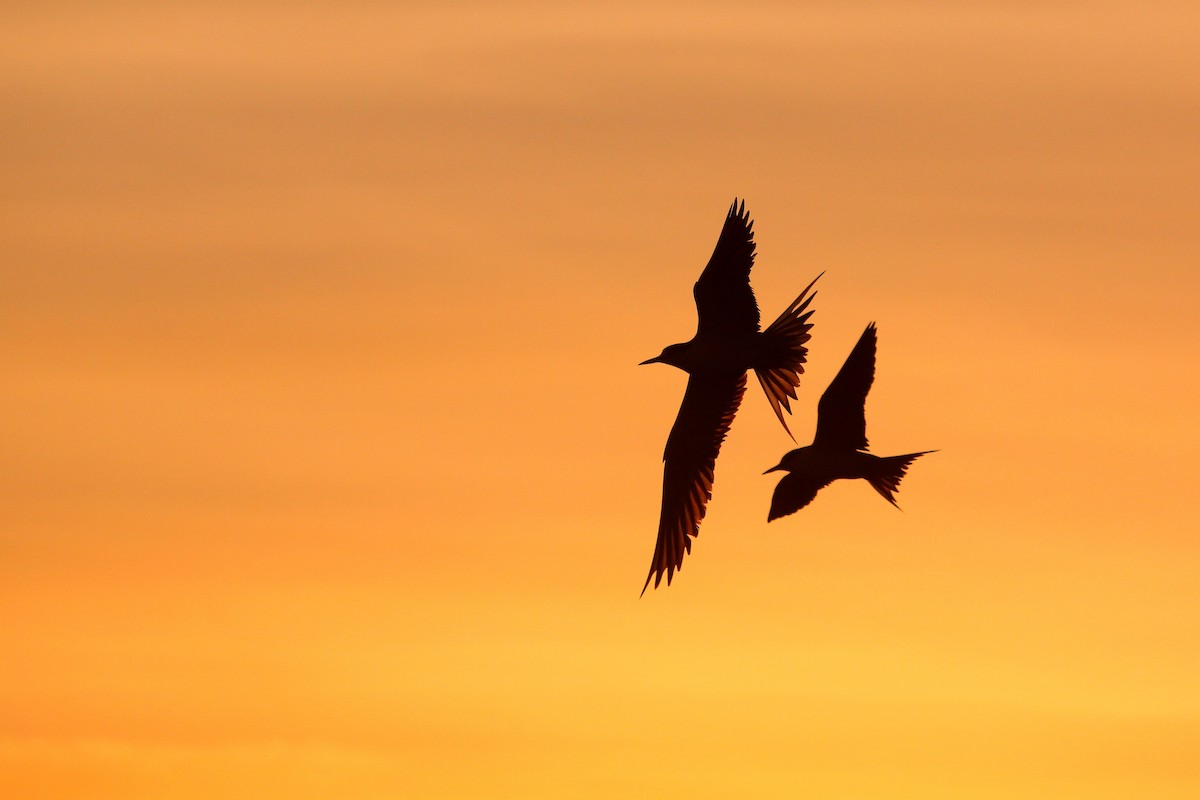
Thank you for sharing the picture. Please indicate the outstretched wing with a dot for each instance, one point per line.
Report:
(724, 301)
(841, 414)
(794, 492)
(708, 408)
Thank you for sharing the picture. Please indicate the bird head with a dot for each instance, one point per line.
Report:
(673, 354)
(792, 462)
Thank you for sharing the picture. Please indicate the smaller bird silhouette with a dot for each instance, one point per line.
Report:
(839, 448)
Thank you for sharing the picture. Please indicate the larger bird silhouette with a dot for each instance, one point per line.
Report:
(839, 449)
(727, 344)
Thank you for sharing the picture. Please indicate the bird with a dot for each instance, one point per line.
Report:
(727, 344)
(839, 448)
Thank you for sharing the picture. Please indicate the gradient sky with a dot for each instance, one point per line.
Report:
(328, 471)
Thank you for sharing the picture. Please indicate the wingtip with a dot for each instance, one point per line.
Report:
(808, 288)
(783, 422)
(657, 580)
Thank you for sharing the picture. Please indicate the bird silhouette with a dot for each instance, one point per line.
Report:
(727, 344)
(839, 448)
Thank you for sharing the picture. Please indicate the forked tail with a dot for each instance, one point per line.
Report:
(888, 472)
(782, 357)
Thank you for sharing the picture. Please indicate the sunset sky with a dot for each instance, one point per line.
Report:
(328, 471)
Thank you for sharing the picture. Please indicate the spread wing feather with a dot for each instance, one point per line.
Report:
(708, 408)
(725, 302)
(841, 413)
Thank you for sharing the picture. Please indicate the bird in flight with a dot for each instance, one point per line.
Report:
(727, 344)
(839, 449)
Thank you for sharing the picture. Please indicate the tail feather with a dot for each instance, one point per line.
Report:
(784, 354)
(889, 471)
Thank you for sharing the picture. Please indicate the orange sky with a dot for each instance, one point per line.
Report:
(328, 471)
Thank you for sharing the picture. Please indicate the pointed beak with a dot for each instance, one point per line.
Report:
(775, 468)
(655, 360)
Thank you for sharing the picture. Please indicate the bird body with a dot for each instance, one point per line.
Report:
(727, 345)
(829, 463)
(839, 448)
(720, 354)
